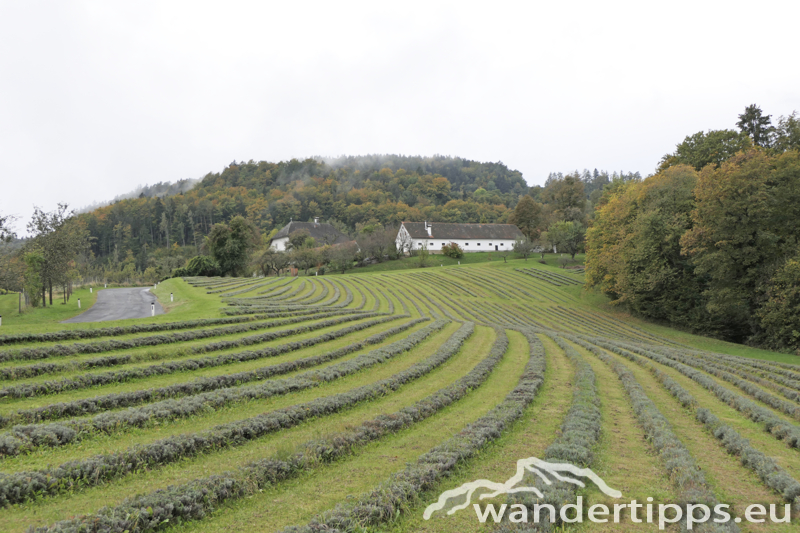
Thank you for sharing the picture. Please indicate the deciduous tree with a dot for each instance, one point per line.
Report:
(527, 216)
(567, 236)
(230, 245)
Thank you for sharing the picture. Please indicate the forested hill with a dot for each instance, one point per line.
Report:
(350, 192)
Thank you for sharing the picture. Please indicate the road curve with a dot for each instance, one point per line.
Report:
(119, 304)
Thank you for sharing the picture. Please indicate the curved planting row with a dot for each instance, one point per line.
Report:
(732, 369)
(685, 366)
(126, 399)
(11, 373)
(392, 293)
(301, 298)
(300, 287)
(686, 475)
(23, 438)
(249, 288)
(249, 284)
(445, 281)
(770, 473)
(475, 280)
(79, 334)
(65, 350)
(777, 427)
(579, 434)
(772, 369)
(27, 390)
(554, 279)
(275, 288)
(389, 499)
(24, 485)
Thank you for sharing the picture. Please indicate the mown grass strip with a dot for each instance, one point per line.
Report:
(25, 438)
(575, 444)
(767, 469)
(386, 501)
(96, 404)
(29, 390)
(64, 350)
(687, 477)
(117, 331)
(776, 426)
(189, 501)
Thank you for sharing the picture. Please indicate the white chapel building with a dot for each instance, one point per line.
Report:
(470, 237)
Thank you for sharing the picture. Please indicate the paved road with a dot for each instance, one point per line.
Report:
(119, 304)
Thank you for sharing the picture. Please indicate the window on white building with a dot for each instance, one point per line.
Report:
(479, 244)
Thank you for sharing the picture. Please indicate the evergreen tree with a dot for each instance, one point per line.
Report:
(757, 125)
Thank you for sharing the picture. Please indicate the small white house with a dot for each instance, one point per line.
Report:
(470, 237)
(321, 233)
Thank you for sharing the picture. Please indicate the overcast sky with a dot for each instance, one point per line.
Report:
(98, 97)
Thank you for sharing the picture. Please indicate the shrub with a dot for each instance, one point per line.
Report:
(200, 265)
(452, 250)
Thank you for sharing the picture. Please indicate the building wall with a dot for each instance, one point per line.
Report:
(468, 245)
(279, 245)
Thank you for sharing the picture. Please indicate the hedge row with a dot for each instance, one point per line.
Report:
(26, 485)
(686, 474)
(780, 429)
(64, 350)
(97, 404)
(575, 444)
(771, 474)
(40, 369)
(28, 390)
(23, 438)
(78, 334)
(390, 498)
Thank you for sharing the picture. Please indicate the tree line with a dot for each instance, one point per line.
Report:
(709, 242)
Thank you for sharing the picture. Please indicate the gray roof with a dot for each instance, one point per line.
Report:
(321, 233)
(441, 230)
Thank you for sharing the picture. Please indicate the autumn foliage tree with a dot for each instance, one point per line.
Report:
(713, 251)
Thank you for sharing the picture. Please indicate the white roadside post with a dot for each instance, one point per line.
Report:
(171, 297)
(79, 303)
(90, 290)
(1, 320)
(105, 285)
(152, 309)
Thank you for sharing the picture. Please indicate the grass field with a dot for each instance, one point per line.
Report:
(351, 402)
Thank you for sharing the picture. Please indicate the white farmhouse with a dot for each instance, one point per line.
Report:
(321, 233)
(470, 237)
